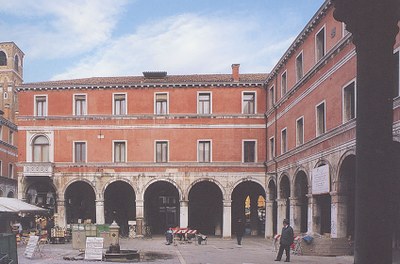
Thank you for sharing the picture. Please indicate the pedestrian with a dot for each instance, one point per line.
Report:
(239, 231)
(287, 238)
(169, 236)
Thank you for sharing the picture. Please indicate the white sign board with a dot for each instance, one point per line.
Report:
(320, 180)
(31, 247)
(94, 248)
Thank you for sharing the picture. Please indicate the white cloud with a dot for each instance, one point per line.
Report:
(62, 28)
(185, 44)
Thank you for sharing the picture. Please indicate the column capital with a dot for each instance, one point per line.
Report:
(227, 203)
(184, 203)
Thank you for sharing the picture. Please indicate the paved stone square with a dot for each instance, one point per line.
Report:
(217, 251)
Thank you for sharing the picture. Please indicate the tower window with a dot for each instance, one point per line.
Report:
(16, 62)
(3, 58)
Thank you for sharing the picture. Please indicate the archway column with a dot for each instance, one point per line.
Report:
(282, 205)
(269, 219)
(313, 215)
(61, 215)
(184, 213)
(139, 217)
(295, 214)
(227, 219)
(338, 215)
(254, 215)
(100, 212)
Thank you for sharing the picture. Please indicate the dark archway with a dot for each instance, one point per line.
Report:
(41, 192)
(161, 205)
(346, 189)
(80, 203)
(120, 205)
(205, 208)
(254, 223)
(272, 195)
(284, 189)
(301, 207)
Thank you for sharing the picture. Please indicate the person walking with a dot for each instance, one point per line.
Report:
(287, 238)
(239, 231)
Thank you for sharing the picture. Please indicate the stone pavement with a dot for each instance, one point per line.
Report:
(217, 251)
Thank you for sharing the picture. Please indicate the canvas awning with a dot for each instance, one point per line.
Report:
(13, 205)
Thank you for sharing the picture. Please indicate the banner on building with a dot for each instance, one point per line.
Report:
(320, 180)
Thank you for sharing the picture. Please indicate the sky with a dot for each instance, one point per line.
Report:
(69, 39)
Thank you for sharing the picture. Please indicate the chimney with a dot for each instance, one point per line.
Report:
(235, 72)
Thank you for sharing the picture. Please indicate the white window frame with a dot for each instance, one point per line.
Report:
(271, 101)
(198, 101)
(126, 150)
(343, 100)
(316, 119)
(155, 150)
(255, 101)
(35, 105)
(31, 136)
(271, 152)
(282, 92)
(198, 156)
(297, 132)
(126, 103)
(73, 151)
(282, 150)
(255, 149)
(302, 66)
(323, 28)
(155, 103)
(74, 103)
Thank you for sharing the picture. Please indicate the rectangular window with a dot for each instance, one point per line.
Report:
(80, 104)
(320, 45)
(161, 151)
(11, 137)
(299, 131)
(249, 100)
(204, 104)
(320, 116)
(10, 171)
(1, 132)
(249, 151)
(41, 105)
(204, 151)
(161, 104)
(271, 95)
(299, 66)
(272, 147)
(349, 102)
(119, 104)
(80, 152)
(283, 83)
(283, 141)
(396, 74)
(119, 151)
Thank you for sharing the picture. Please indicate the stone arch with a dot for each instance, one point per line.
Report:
(222, 189)
(300, 201)
(10, 194)
(104, 187)
(80, 197)
(41, 192)
(146, 186)
(65, 187)
(272, 208)
(284, 190)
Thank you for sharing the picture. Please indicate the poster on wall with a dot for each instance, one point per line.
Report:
(320, 180)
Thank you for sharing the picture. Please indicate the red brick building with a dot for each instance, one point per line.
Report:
(158, 149)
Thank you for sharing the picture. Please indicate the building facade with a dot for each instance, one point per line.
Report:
(156, 149)
(311, 117)
(11, 69)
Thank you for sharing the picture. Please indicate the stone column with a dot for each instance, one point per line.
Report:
(338, 215)
(281, 213)
(312, 225)
(139, 217)
(100, 212)
(227, 219)
(295, 214)
(269, 219)
(374, 28)
(61, 220)
(254, 215)
(184, 213)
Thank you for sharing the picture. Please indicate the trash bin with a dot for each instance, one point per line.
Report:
(8, 248)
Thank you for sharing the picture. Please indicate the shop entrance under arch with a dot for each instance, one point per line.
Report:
(42, 194)
(254, 212)
(205, 208)
(80, 203)
(120, 205)
(161, 206)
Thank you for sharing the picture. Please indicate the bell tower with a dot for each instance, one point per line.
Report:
(11, 75)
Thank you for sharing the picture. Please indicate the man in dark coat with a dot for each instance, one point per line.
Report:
(239, 231)
(287, 237)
